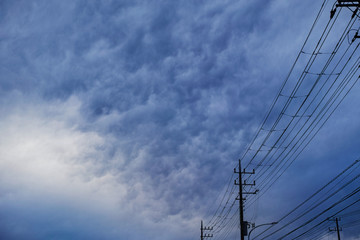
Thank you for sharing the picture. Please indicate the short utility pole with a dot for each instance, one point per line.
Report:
(337, 229)
(202, 229)
(240, 198)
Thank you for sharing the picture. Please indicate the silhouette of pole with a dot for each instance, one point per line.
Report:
(241, 204)
(337, 228)
(243, 224)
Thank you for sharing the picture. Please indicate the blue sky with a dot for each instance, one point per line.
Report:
(124, 119)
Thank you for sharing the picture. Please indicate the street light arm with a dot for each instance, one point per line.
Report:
(264, 224)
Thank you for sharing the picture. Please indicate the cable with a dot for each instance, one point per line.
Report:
(314, 207)
(301, 129)
(324, 211)
(284, 83)
(353, 203)
(224, 195)
(349, 77)
(354, 164)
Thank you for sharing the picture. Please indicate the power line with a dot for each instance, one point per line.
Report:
(353, 166)
(316, 106)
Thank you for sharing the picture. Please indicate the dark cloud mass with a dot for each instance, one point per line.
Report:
(124, 119)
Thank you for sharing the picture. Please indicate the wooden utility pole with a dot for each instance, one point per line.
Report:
(243, 224)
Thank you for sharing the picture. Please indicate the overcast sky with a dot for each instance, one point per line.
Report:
(124, 119)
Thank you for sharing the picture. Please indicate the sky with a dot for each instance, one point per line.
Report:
(124, 119)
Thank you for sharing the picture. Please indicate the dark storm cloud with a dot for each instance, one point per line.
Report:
(175, 89)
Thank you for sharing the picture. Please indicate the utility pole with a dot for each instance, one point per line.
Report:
(243, 224)
(337, 229)
(202, 229)
(347, 4)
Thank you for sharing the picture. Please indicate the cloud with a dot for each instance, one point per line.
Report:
(52, 171)
(133, 113)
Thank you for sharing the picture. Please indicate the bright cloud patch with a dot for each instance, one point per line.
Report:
(51, 170)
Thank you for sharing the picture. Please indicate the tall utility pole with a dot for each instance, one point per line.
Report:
(337, 229)
(202, 229)
(241, 184)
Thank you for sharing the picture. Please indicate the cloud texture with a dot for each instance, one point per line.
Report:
(124, 119)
